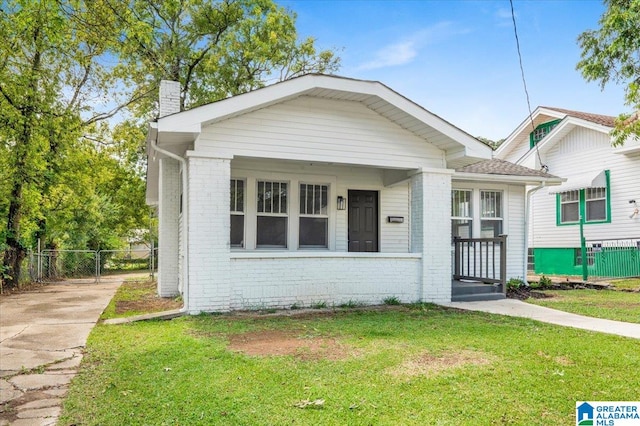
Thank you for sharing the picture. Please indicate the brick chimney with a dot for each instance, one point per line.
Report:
(169, 98)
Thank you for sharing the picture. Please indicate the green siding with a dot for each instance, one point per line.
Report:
(609, 262)
(555, 261)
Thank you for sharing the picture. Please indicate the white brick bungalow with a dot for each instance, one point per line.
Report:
(321, 189)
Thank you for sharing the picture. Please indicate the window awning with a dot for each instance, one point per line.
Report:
(597, 179)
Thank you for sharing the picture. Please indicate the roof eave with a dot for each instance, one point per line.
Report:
(521, 180)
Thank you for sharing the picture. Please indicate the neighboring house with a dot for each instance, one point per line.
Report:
(601, 187)
(322, 190)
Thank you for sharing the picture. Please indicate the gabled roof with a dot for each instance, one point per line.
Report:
(175, 132)
(373, 94)
(605, 120)
(569, 120)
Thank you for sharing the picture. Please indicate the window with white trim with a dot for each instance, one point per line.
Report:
(490, 214)
(237, 212)
(461, 213)
(272, 216)
(314, 216)
(570, 206)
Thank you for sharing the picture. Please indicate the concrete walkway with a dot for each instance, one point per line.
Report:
(517, 308)
(42, 336)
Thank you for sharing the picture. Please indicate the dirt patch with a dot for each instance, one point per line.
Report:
(524, 293)
(146, 299)
(428, 364)
(297, 344)
(149, 304)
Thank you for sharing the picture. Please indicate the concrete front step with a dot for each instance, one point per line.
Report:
(477, 297)
(463, 288)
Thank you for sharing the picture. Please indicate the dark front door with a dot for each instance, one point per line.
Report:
(363, 221)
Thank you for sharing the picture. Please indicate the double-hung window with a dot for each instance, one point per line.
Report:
(237, 213)
(490, 214)
(595, 204)
(592, 204)
(314, 218)
(570, 206)
(272, 217)
(461, 213)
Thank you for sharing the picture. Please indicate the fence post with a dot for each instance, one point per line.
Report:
(97, 266)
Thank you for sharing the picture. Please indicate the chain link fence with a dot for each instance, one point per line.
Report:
(87, 265)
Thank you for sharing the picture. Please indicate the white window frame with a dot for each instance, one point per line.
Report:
(234, 211)
(497, 208)
(587, 200)
(476, 217)
(271, 213)
(469, 216)
(320, 215)
(572, 201)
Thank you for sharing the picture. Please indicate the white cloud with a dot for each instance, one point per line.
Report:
(405, 51)
(392, 55)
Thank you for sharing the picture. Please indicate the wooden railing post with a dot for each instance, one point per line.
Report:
(503, 262)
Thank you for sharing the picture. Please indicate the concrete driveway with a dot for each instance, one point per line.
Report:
(42, 336)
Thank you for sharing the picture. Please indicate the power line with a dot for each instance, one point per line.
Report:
(524, 81)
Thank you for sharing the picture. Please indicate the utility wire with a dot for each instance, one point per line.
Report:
(524, 82)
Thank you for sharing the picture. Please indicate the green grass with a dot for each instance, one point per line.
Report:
(137, 296)
(513, 371)
(627, 284)
(607, 304)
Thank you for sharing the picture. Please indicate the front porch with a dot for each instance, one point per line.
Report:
(479, 269)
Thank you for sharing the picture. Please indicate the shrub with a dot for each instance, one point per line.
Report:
(514, 283)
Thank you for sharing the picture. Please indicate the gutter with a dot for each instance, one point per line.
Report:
(527, 210)
(185, 221)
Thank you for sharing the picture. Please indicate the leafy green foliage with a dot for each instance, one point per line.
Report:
(68, 175)
(514, 283)
(610, 54)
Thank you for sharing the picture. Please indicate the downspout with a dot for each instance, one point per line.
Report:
(527, 203)
(185, 222)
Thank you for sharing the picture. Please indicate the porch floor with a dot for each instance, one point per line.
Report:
(469, 291)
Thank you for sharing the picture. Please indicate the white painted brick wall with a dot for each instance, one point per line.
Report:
(208, 257)
(169, 98)
(430, 233)
(271, 282)
(168, 211)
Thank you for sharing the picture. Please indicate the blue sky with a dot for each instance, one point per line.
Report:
(458, 59)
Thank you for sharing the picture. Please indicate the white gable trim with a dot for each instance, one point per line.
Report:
(368, 92)
(525, 126)
(560, 131)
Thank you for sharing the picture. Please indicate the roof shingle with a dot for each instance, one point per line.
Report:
(605, 120)
(501, 167)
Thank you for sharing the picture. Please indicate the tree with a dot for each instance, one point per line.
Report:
(52, 75)
(610, 54)
(67, 175)
(215, 49)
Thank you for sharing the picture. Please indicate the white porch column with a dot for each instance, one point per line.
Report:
(168, 237)
(431, 232)
(209, 227)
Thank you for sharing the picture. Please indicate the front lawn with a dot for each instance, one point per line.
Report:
(607, 304)
(398, 365)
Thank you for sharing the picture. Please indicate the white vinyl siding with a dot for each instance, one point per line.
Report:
(580, 150)
(320, 130)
